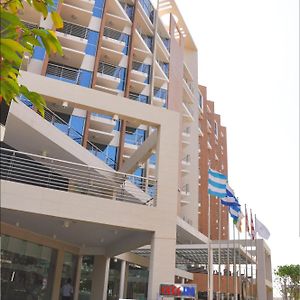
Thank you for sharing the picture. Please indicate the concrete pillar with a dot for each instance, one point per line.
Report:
(57, 276)
(123, 279)
(162, 264)
(100, 278)
(77, 278)
(262, 272)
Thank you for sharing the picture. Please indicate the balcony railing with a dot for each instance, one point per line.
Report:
(139, 97)
(63, 73)
(165, 67)
(148, 40)
(118, 36)
(76, 136)
(110, 70)
(160, 93)
(75, 30)
(129, 9)
(78, 178)
(148, 8)
(166, 42)
(30, 25)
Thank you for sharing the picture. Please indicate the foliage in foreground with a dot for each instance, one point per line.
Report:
(17, 40)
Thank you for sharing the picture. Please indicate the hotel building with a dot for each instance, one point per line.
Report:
(118, 163)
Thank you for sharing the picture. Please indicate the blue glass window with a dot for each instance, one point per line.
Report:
(152, 159)
(148, 8)
(91, 47)
(98, 8)
(139, 97)
(54, 6)
(134, 136)
(39, 53)
(85, 78)
(107, 153)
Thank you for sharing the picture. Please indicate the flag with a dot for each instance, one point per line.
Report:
(230, 199)
(261, 229)
(237, 216)
(247, 222)
(216, 183)
(252, 227)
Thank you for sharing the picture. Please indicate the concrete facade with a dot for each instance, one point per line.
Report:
(119, 163)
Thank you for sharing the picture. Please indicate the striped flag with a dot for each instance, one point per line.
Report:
(217, 183)
(247, 222)
(252, 226)
(237, 216)
(230, 199)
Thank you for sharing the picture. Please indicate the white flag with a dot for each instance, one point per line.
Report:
(261, 229)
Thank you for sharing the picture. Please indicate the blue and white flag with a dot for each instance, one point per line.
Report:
(217, 183)
(230, 199)
(235, 212)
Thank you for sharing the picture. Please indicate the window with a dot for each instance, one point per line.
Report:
(216, 131)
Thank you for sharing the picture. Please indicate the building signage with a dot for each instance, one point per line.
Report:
(178, 290)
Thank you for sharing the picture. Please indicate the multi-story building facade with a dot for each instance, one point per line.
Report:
(213, 153)
(114, 165)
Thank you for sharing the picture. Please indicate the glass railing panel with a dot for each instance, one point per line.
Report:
(160, 93)
(118, 36)
(129, 9)
(148, 40)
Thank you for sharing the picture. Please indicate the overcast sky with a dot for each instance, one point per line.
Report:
(249, 61)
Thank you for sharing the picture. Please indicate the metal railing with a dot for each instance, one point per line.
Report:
(62, 125)
(110, 70)
(191, 111)
(75, 30)
(137, 66)
(61, 72)
(139, 97)
(129, 9)
(118, 36)
(160, 93)
(30, 25)
(78, 178)
(134, 139)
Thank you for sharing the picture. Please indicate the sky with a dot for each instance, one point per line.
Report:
(249, 61)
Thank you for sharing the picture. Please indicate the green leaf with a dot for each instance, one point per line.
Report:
(31, 40)
(7, 17)
(57, 20)
(41, 7)
(14, 45)
(10, 55)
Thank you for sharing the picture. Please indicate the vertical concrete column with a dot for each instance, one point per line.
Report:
(261, 270)
(57, 276)
(100, 278)
(162, 264)
(77, 278)
(123, 279)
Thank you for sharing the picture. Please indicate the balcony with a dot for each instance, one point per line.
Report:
(187, 112)
(148, 9)
(79, 11)
(139, 79)
(110, 78)
(185, 193)
(160, 97)
(133, 140)
(63, 73)
(185, 164)
(119, 14)
(139, 97)
(115, 40)
(129, 9)
(54, 174)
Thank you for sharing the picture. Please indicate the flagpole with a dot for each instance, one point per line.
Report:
(219, 238)
(246, 242)
(252, 236)
(209, 256)
(255, 258)
(228, 267)
(234, 265)
(240, 269)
